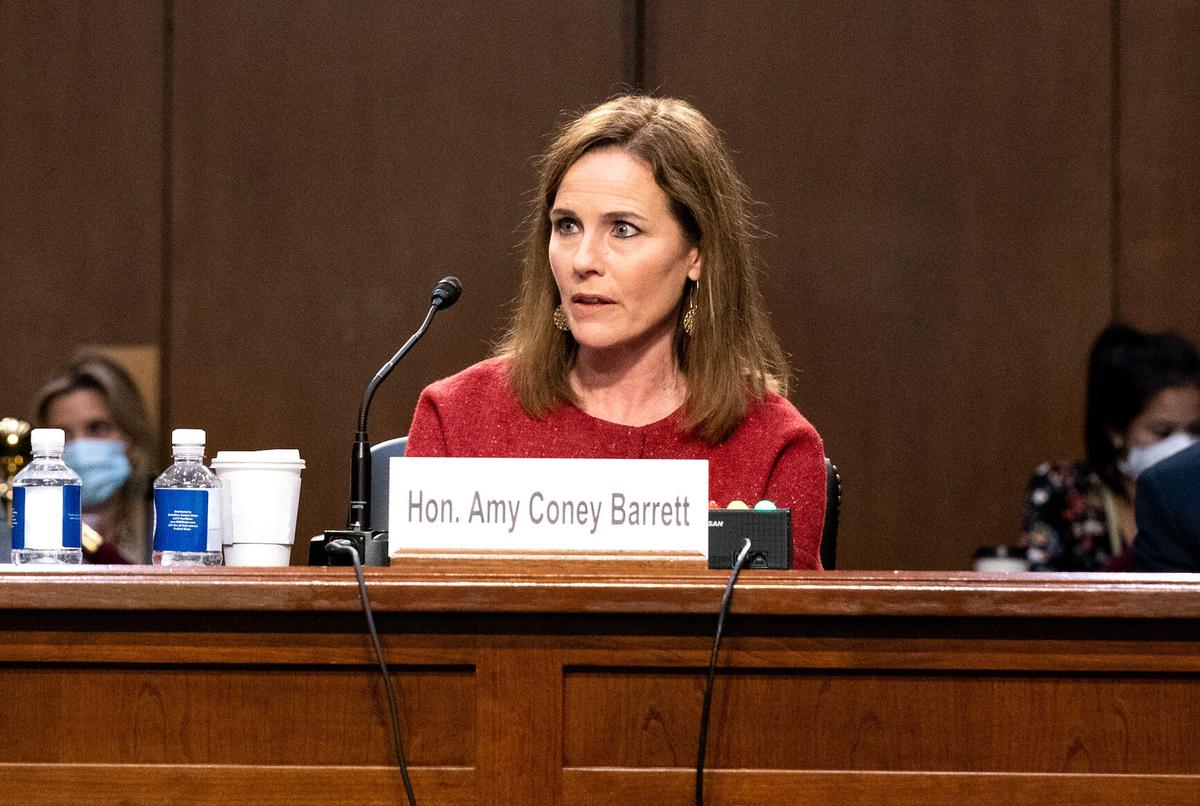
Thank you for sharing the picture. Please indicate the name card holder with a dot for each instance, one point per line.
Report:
(548, 505)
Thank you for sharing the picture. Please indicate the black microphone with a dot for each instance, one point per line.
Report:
(446, 292)
(358, 524)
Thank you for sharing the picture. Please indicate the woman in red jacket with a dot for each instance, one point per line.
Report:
(640, 329)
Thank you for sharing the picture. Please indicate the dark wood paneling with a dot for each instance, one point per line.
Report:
(80, 183)
(70, 784)
(198, 715)
(1159, 280)
(818, 787)
(544, 695)
(221, 784)
(950, 721)
(332, 162)
(936, 179)
(530, 720)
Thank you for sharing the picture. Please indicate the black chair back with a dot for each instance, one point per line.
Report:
(381, 476)
(833, 507)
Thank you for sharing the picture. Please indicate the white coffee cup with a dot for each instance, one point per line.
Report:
(260, 491)
(1000, 560)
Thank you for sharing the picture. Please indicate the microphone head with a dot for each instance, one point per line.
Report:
(446, 292)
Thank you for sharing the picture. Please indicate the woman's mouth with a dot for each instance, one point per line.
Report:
(590, 300)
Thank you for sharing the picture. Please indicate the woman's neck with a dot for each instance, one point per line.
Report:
(628, 387)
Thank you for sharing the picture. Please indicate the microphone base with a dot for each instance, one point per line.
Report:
(372, 547)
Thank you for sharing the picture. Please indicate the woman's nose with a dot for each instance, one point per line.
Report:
(587, 258)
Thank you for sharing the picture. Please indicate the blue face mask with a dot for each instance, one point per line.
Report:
(101, 464)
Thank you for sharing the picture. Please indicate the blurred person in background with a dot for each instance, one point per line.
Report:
(1143, 405)
(111, 444)
(1168, 514)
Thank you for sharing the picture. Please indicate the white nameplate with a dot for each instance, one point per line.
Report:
(548, 504)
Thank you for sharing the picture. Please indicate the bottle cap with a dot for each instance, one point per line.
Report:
(47, 439)
(188, 436)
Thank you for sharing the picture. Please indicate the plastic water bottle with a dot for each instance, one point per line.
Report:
(47, 519)
(187, 505)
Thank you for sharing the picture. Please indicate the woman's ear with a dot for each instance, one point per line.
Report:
(695, 264)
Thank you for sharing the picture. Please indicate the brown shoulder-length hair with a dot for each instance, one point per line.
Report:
(101, 374)
(733, 354)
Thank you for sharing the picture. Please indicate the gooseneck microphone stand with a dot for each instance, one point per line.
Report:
(372, 544)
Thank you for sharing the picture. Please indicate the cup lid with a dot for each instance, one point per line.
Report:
(279, 456)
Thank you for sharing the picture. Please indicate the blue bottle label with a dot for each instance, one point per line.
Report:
(47, 518)
(72, 516)
(181, 520)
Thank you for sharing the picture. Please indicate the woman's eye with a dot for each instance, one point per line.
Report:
(99, 429)
(565, 226)
(623, 229)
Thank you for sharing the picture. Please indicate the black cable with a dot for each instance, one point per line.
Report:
(344, 546)
(712, 671)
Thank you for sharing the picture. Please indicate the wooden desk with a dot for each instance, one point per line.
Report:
(579, 681)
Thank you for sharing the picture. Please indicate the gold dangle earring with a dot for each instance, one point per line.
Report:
(689, 316)
(560, 320)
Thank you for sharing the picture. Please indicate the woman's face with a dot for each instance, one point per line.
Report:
(83, 413)
(619, 257)
(1169, 412)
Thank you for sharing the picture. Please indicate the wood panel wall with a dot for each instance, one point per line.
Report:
(958, 197)
(1159, 156)
(81, 184)
(936, 180)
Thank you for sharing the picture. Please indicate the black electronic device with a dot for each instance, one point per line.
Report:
(768, 530)
(370, 544)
